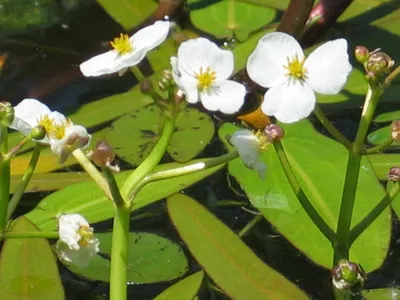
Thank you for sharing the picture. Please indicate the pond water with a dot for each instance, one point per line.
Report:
(41, 61)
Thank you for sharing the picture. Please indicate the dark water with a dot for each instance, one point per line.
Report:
(43, 64)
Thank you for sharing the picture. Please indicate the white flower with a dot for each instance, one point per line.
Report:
(249, 146)
(128, 51)
(278, 63)
(62, 135)
(76, 243)
(201, 71)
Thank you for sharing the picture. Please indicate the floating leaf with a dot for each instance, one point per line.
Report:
(320, 164)
(224, 257)
(193, 131)
(129, 13)
(87, 199)
(28, 268)
(187, 288)
(383, 162)
(381, 294)
(231, 19)
(152, 258)
(380, 136)
(387, 117)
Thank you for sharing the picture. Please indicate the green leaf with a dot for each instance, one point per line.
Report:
(229, 18)
(381, 294)
(50, 181)
(320, 165)
(28, 268)
(360, 7)
(129, 13)
(380, 136)
(187, 288)
(382, 163)
(152, 258)
(193, 131)
(224, 257)
(277, 4)
(387, 117)
(88, 200)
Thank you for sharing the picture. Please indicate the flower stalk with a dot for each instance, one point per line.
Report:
(5, 177)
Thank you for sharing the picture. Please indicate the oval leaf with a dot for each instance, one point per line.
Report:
(187, 288)
(320, 165)
(387, 117)
(88, 200)
(28, 268)
(152, 258)
(225, 258)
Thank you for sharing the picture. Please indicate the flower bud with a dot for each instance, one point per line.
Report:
(146, 87)
(395, 130)
(362, 54)
(38, 132)
(394, 174)
(347, 274)
(273, 132)
(6, 113)
(379, 62)
(103, 155)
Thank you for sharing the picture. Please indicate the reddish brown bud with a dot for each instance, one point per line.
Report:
(146, 87)
(394, 174)
(362, 54)
(347, 274)
(379, 62)
(395, 130)
(103, 155)
(273, 132)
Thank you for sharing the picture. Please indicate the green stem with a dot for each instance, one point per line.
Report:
(119, 254)
(92, 171)
(305, 202)
(138, 74)
(33, 235)
(24, 181)
(185, 169)
(391, 76)
(344, 294)
(374, 213)
(152, 160)
(379, 148)
(295, 16)
(4, 178)
(112, 185)
(371, 101)
(330, 128)
(342, 246)
(250, 225)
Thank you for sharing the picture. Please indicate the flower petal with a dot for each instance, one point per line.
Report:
(186, 83)
(227, 97)
(110, 62)
(26, 115)
(265, 65)
(290, 102)
(328, 67)
(151, 36)
(202, 53)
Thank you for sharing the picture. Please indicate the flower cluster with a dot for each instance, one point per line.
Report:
(76, 244)
(61, 134)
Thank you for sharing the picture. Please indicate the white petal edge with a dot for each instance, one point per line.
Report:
(227, 97)
(328, 67)
(289, 103)
(151, 36)
(265, 65)
(186, 83)
(26, 114)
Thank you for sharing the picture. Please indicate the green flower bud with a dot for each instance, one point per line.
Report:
(347, 274)
(38, 132)
(362, 54)
(6, 113)
(379, 62)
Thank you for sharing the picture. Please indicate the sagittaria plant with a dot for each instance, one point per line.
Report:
(312, 188)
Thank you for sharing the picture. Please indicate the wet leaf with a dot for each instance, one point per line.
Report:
(231, 19)
(152, 258)
(87, 199)
(129, 13)
(186, 288)
(224, 257)
(28, 267)
(320, 165)
(193, 131)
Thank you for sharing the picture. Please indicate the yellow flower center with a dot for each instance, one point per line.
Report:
(53, 130)
(58, 131)
(262, 140)
(46, 122)
(122, 44)
(206, 78)
(295, 68)
(86, 234)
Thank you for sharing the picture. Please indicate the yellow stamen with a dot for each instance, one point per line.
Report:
(205, 79)
(46, 122)
(122, 44)
(295, 68)
(86, 234)
(262, 140)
